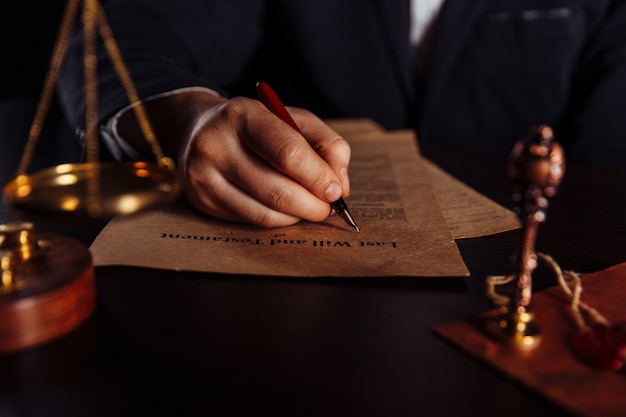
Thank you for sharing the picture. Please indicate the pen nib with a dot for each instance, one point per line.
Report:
(341, 209)
(350, 220)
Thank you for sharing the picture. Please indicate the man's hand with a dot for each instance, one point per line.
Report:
(239, 162)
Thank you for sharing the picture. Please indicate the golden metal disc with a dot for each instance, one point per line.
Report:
(91, 192)
(47, 289)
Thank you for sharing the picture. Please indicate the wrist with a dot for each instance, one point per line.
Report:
(172, 115)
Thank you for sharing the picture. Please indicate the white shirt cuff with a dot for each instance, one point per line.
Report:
(119, 148)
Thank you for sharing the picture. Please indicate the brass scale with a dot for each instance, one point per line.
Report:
(47, 280)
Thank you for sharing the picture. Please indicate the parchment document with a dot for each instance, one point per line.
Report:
(403, 229)
(468, 213)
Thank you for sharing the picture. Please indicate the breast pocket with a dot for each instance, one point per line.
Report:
(530, 25)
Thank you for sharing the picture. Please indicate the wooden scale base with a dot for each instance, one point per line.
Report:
(47, 286)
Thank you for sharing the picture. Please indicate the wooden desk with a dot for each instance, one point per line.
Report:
(173, 344)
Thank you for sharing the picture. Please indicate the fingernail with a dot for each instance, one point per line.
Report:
(333, 192)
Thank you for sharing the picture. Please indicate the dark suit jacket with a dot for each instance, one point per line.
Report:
(495, 67)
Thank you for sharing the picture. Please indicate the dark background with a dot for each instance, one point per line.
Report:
(27, 33)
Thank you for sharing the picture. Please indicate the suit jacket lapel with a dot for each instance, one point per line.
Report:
(455, 20)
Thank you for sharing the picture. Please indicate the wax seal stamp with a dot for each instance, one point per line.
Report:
(536, 169)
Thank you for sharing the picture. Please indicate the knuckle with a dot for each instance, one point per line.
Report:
(235, 107)
(342, 145)
(290, 156)
(336, 145)
(235, 112)
(279, 198)
(322, 180)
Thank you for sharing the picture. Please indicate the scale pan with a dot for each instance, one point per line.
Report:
(90, 192)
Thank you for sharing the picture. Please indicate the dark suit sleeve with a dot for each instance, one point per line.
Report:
(595, 120)
(166, 45)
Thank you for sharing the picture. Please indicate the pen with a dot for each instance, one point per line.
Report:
(273, 104)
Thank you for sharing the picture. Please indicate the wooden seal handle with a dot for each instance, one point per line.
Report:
(537, 168)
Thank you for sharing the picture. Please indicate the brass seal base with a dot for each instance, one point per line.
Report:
(516, 327)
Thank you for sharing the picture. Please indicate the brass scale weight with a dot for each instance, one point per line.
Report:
(46, 286)
(537, 168)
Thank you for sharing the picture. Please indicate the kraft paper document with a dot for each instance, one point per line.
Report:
(403, 229)
(468, 213)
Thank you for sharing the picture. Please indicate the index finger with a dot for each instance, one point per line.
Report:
(327, 143)
(290, 153)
